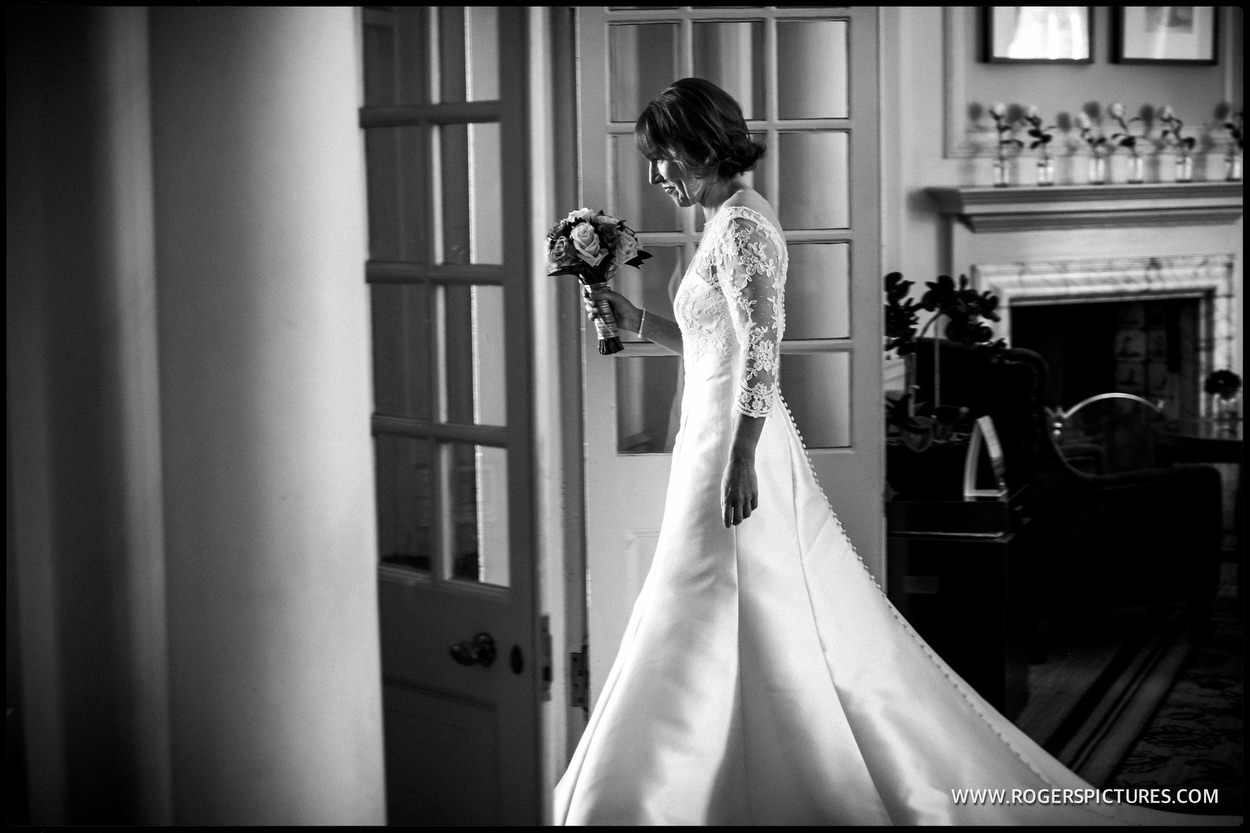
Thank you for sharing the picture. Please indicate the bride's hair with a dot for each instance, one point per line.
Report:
(701, 127)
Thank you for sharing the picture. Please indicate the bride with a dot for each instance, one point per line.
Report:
(764, 678)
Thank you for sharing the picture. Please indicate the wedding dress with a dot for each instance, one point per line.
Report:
(764, 677)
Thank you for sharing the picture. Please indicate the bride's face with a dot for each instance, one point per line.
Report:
(684, 188)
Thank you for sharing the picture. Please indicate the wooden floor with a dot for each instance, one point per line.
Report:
(1093, 693)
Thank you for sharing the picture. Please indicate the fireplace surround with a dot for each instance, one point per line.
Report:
(1124, 248)
(1203, 340)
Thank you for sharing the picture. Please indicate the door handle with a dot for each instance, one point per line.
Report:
(480, 651)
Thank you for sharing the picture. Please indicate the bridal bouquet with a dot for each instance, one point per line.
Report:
(593, 246)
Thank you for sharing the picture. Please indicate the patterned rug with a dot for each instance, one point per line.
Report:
(1196, 738)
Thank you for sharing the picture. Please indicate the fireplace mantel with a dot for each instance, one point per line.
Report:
(1030, 208)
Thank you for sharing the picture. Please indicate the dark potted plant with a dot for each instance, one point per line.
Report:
(927, 441)
(1223, 386)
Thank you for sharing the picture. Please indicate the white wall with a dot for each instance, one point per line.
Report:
(264, 350)
(85, 528)
(920, 96)
(190, 467)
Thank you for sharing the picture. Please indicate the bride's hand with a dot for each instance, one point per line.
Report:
(740, 490)
(628, 316)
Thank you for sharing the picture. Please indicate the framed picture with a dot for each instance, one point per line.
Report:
(1164, 34)
(1038, 34)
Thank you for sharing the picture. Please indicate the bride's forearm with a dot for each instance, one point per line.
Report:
(746, 435)
(659, 330)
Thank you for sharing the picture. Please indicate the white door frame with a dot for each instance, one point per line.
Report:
(557, 395)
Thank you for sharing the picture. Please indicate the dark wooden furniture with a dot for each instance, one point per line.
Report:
(957, 573)
(1097, 543)
(1210, 441)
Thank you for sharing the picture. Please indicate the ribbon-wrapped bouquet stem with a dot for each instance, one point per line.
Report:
(593, 246)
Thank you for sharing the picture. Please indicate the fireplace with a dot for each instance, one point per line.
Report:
(1154, 326)
(1129, 288)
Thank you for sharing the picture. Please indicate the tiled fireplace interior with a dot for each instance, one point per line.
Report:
(1152, 326)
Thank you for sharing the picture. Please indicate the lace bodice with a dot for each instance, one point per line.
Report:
(731, 303)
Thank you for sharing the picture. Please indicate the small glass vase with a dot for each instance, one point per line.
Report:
(1097, 169)
(1136, 169)
(1002, 172)
(1184, 168)
(1232, 165)
(1045, 170)
(1227, 412)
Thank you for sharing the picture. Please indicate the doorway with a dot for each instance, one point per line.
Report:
(807, 81)
(445, 120)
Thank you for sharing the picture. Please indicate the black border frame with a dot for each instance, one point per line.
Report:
(987, 42)
(1117, 42)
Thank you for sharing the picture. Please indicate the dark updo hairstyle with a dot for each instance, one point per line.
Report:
(701, 127)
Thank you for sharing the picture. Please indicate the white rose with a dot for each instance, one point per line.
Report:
(586, 242)
(626, 249)
(998, 109)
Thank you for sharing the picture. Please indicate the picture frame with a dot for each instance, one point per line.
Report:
(1037, 34)
(1165, 35)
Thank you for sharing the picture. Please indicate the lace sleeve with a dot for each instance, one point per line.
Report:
(753, 278)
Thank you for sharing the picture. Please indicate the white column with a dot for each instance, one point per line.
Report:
(265, 391)
(87, 660)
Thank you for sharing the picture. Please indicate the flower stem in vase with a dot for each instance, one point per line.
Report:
(1002, 176)
(1045, 170)
(1184, 168)
(1232, 166)
(1136, 169)
(1097, 169)
(1226, 412)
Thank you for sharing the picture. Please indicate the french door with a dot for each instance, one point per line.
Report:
(807, 81)
(445, 124)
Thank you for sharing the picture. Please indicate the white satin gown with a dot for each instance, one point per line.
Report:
(764, 677)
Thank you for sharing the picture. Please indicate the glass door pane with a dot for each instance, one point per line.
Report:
(641, 204)
(818, 291)
(405, 500)
(648, 403)
(812, 61)
(401, 354)
(396, 73)
(819, 399)
(644, 59)
(464, 54)
(478, 516)
(814, 179)
(467, 174)
(654, 286)
(730, 54)
(397, 171)
(481, 47)
(473, 379)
